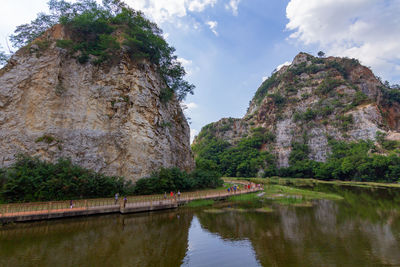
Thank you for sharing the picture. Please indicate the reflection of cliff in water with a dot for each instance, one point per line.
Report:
(323, 235)
(158, 239)
(207, 249)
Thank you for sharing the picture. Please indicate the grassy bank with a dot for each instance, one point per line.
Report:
(275, 190)
(282, 192)
(312, 182)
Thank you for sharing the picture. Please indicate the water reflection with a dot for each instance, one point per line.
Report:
(362, 230)
(322, 235)
(140, 240)
(207, 249)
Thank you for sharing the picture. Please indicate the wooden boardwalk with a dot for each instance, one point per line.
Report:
(61, 209)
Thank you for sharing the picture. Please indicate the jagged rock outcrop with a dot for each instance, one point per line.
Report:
(311, 101)
(106, 118)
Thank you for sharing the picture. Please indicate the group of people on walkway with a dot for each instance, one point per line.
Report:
(116, 199)
(235, 188)
(173, 195)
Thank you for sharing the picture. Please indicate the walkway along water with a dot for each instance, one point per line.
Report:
(20, 212)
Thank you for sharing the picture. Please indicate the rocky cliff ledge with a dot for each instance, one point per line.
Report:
(106, 118)
(312, 101)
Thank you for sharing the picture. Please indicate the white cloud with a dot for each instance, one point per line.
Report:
(188, 65)
(363, 29)
(185, 62)
(192, 105)
(287, 63)
(188, 106)
(213, 26)
(162, 10)
(200, 5)
(165, 35)
(193, 133)
(233, 5)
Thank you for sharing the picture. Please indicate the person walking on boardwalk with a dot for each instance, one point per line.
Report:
(125, 201)
(165, 195)
(71, 204)
(171, 194)
(179, 195)
(116, 198)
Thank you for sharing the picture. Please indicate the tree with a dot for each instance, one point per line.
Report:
(3, 57)
(321, 54)
(93, 27)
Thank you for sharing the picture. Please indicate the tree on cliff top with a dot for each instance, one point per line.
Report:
(93, 29)
(3, 58)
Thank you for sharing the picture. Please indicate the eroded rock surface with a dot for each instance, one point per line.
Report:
(106, 118)
(314, 100)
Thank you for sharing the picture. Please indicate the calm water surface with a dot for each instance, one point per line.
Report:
(362, 230)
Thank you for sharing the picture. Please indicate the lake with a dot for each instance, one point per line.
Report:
(361, 230)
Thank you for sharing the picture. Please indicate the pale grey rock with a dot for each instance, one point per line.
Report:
(370, 116)
(109, 119)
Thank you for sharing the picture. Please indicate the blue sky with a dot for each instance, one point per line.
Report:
(229, 46)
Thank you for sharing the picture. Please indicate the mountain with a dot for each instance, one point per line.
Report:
(299, 112)
(111, 117)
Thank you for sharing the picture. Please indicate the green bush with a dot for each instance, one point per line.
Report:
(307, 115)
(328, 85)
(48, 139)
(359, 98)
(242, 160)
(265, 86)
(390, 95)
(278, 99)
(344, 122)
(347, 161)
(339, 67)
(173, 179)
(31, 179)
(303, 68)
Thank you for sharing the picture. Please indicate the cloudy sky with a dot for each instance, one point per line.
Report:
(229, 46)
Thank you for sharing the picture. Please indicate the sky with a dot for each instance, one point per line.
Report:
(228, 47)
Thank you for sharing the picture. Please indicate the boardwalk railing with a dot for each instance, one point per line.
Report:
(25, 209)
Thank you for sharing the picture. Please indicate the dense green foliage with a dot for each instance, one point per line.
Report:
(328, 85)
(242, 160)
(173, 179)
(94, 30)
(390, 94)
(347, 161)
(30, 179)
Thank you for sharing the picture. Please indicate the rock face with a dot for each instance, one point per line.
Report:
(311, 101)
(106, 118)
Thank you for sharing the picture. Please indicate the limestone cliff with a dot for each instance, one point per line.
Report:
(312, 100)
(108, 118)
